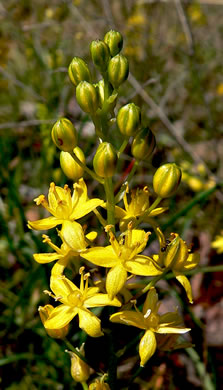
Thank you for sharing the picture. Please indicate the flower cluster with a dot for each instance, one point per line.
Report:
(124, 254)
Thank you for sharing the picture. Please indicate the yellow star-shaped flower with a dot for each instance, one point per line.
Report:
(76, 301)
(63, 206)
(151, 322)
(136, 208)
(123, 256)
(74, 243)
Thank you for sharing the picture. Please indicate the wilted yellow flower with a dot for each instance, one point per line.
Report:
(80, 371)
(137, 207)
(123, 256)
(218, 243)
(175, 256)
(152, 322)
(76, 301)
(44, 312)
(63, 206)
(74, 243)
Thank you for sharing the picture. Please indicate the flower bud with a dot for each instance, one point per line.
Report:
(64, 135)
(114, 41)
(78, 71)
(44, 312)
(101, 93)
(128, 119)
(105, 160)
(87, 97)
(80, 371)
(118, 70)
(100, 54)
(143, 144)
(166, 180)
(70, 167)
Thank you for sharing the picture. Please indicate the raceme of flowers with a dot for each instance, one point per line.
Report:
(123, 258)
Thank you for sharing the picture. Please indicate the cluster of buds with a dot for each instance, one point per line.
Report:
(122, 256)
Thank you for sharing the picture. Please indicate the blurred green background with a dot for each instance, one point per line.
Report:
(175, 54)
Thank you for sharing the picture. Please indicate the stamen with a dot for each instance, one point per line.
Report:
(81, 270)
(108, 228)
(52, 295)
(40, 200)
(147, 313)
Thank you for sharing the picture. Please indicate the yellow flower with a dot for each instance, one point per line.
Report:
(122, 257)
(44, 312)
(63, 206)
(218, 243)
(76, 301)
(174, 255)
(74, 243)
(152, 322)
(137, 207)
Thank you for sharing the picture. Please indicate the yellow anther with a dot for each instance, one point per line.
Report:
(147, 314)
(108, 228)
(87, 275)
(40, 200)
(81, 270)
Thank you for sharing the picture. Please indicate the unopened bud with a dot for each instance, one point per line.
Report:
(101, 93)
(44, 312)
(64, 135)
(143, 144)
(114, 41)
(128, 119)
(100, 54)
(78, 71)
(166, 180)
(70, 167)
(118, 70)
(80, 371)
(105, 160)
(176, 253)
(87, 97)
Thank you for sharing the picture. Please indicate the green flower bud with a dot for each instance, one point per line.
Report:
(114, 41)
(87, 97)
(64, 135)
(78, 71)
(101, 93)
(166, 180)
(118, 70)
(100, 54)
(128, 119)
(105, 160)
(143, 144)
(70, 167)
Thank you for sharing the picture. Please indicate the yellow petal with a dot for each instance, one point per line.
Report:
(170, 319)
(101, 300)
(157, 211)
(142, 265)
(45, 223)
(151, 301)
(79, 193)
(44, 258)
(58, 268)
(86, 208)
(102, 256)
(186, 285)
(115, 280)
(172, 329)
(129, 317)
(139, 236)
(192, 261)
(60, 317)
(73, 235)
(61, 286)
(120, 213)
(92, 236)
(90, 323)
(147, 347)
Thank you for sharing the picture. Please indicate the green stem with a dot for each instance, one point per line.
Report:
(84, 385)
(89, 171)
(152, 283)
(123, 146)
(110, 201)
(120, 194)
(97, 124)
